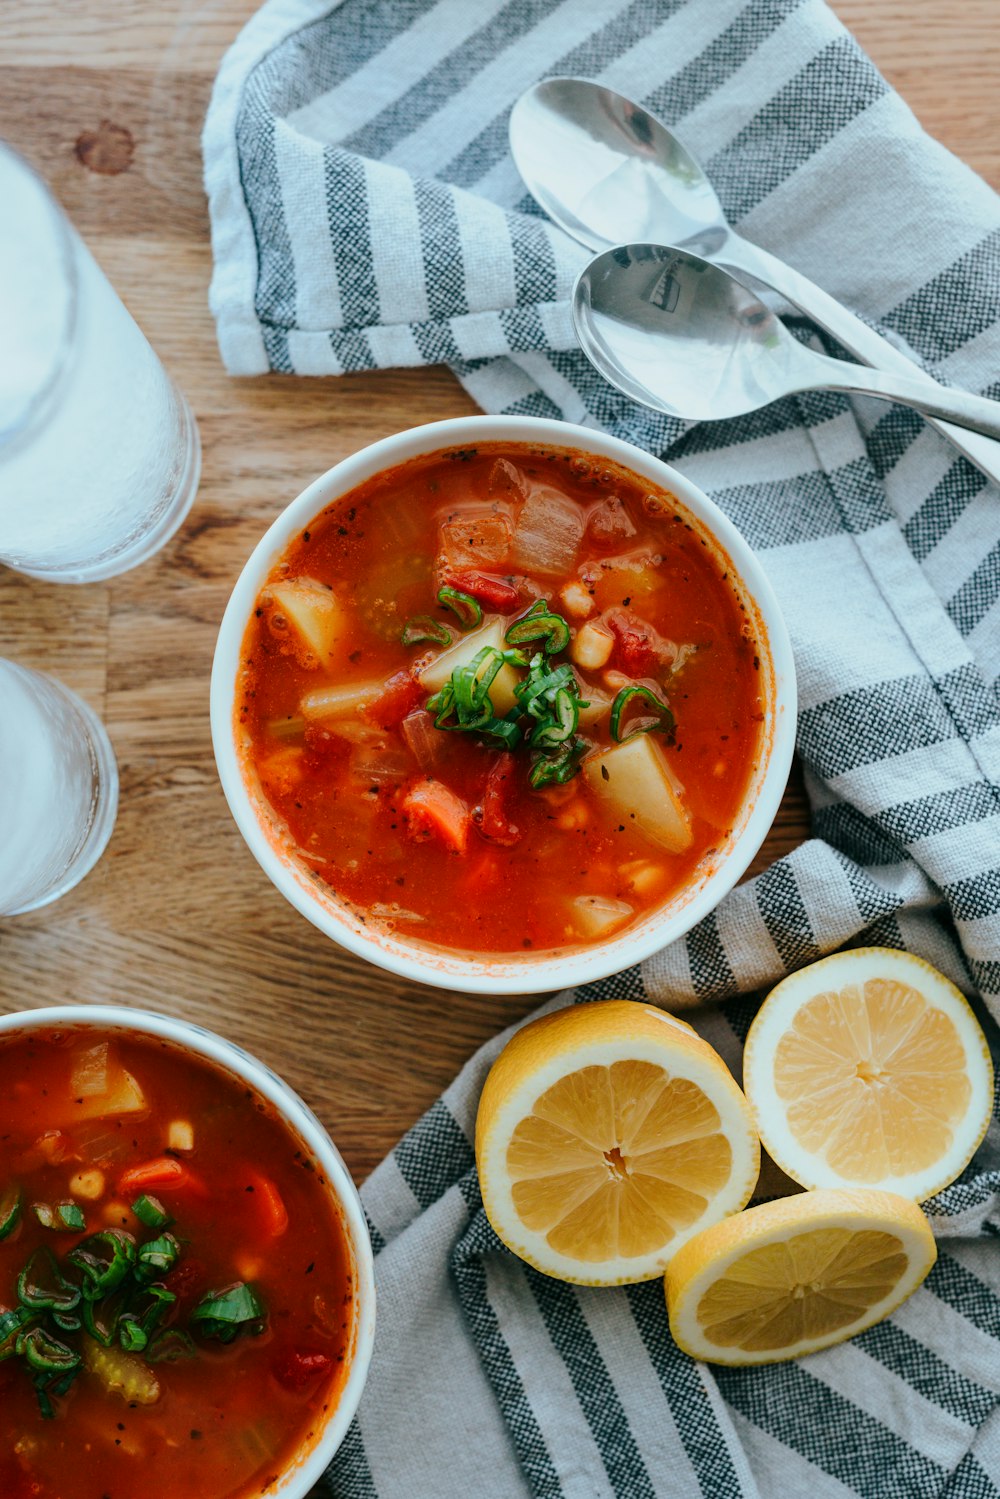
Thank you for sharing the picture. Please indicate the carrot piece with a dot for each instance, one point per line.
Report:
(161, 1174)
(271, 1209)
(432, 810)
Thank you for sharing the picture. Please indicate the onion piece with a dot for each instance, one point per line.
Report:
(596, 915)
(90, 1071)
(549, 532)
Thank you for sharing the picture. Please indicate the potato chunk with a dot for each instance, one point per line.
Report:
(434, 676)
(635, 779)
(310, 613)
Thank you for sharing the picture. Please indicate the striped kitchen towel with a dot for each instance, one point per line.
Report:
(366, 213)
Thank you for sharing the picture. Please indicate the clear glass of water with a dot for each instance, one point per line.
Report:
(99, 452)
(58, 789)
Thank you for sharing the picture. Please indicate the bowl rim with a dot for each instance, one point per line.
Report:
(505, 974)
(297, 1480)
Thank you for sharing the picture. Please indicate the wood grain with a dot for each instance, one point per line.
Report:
(177, 916)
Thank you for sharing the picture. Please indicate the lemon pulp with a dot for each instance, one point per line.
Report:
(613, 1160)
(875, 1079)
(802, 1289)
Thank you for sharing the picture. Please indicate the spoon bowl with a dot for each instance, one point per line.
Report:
(683, 336)
(607, 171)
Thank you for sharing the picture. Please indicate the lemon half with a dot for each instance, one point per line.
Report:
(793, 1276)
(869, 1069)
(607, 1135)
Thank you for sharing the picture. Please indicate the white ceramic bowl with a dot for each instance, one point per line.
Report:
(511, 974)
(298, 1480)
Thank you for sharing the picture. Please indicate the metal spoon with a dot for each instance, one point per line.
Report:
(684, 336)
(609, 172)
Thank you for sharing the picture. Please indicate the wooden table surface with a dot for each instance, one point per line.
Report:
(177, 916)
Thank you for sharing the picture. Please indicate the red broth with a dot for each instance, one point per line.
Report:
(438, 833)
(90, 1122)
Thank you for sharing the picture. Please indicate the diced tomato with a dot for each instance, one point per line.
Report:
(495, 824)
(639, 649)
(432, 810)
(162, 1174)
(187, 1280)
(492, 592)
(401, 694)
(270, 1208)
(296, 1368)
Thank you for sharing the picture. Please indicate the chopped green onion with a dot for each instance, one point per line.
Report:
(46, 1354)
(664, 721)
(157, 1258)
(559, 768)
(131, 1334)
(65, 1215)
(100, 1317)
(40, 1284)
(224, 1314)
(540, 623)
(421, 627)
(66, 1321)
(104, 1260)
(168, 1346)
(159, 1300)
(562, 725)
(10, 1209)
(468, 609)
(151, 1212)
(12, 1324)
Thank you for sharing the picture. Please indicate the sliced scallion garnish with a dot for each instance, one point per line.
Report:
(540, 623)
(12, 1324)
(225, 1314)
(556, 769)
(131, 1334)
(104, 1260)
(663, 721)
(421, 627)
(101, 1317)
(156, 1258)
(42, 1285)
(10, 1209)
(46, 1354)
(468, 610)
(561, 725)
(151, 1212)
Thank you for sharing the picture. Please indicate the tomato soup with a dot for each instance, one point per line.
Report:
(176, 1286)
(502, 699)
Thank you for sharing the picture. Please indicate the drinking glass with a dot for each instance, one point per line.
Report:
(99, 452)
(58, 789)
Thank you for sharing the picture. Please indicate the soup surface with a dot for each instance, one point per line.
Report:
(175, 1284)
(502, 698)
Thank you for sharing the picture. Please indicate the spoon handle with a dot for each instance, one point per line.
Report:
(738, 254)
(933, 400)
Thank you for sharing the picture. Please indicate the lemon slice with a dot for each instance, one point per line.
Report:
(607, 1134)
(792, 1276)
(868, 1068)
